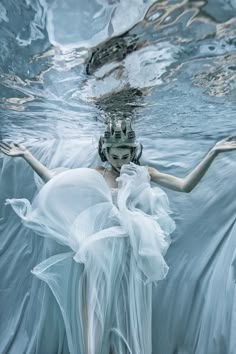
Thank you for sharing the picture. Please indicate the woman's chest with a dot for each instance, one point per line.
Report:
(109, 178)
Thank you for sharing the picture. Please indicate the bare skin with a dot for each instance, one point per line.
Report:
(116, 158)
(120, 156)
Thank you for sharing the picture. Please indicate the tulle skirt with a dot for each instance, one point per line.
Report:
(103, 284)
(193, 306)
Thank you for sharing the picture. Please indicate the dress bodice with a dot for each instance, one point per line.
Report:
(114, 191)
(114, 194)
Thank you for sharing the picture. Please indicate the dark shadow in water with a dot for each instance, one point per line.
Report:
(113, 49)
(123, 104)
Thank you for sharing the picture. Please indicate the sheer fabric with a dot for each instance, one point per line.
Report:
(116, 246)
(187, 316)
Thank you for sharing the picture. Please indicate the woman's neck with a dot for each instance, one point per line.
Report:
(114, 171)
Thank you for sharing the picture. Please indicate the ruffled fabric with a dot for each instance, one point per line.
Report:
(103, 285)
(145, 216)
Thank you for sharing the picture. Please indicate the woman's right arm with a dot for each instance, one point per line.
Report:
(18, 150)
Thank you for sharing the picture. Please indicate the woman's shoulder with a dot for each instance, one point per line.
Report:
(149, 169)
(98, 168)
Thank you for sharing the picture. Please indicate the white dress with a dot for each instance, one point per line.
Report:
(116, 243)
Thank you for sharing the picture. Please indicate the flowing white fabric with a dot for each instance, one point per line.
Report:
(103, 284)
(187, 316)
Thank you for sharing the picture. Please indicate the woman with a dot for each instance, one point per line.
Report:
(118, 239)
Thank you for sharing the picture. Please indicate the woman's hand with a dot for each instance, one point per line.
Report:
(14, 150)
(226, 144)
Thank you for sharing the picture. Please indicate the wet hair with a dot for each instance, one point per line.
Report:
(135, 155)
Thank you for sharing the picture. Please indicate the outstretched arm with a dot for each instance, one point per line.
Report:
(18, 150)
(187, 183)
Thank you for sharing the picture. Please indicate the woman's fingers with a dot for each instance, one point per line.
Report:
(231, 141)
(4, 151)
(4, 146)
(230, 138)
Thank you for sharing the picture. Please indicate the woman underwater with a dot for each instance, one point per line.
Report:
(117, 231)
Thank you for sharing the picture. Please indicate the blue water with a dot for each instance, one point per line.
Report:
(67, 66)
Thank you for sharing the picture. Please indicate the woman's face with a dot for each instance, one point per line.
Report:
(118, 157)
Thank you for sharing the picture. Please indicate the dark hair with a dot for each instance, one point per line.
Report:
(134, 152)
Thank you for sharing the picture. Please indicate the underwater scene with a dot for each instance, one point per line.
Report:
(140, 94)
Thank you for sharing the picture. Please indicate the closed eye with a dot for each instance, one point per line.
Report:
(123, 157)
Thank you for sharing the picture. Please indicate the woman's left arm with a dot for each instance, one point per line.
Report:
(187, 183)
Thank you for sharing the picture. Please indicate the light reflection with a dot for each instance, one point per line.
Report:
(178, 54)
